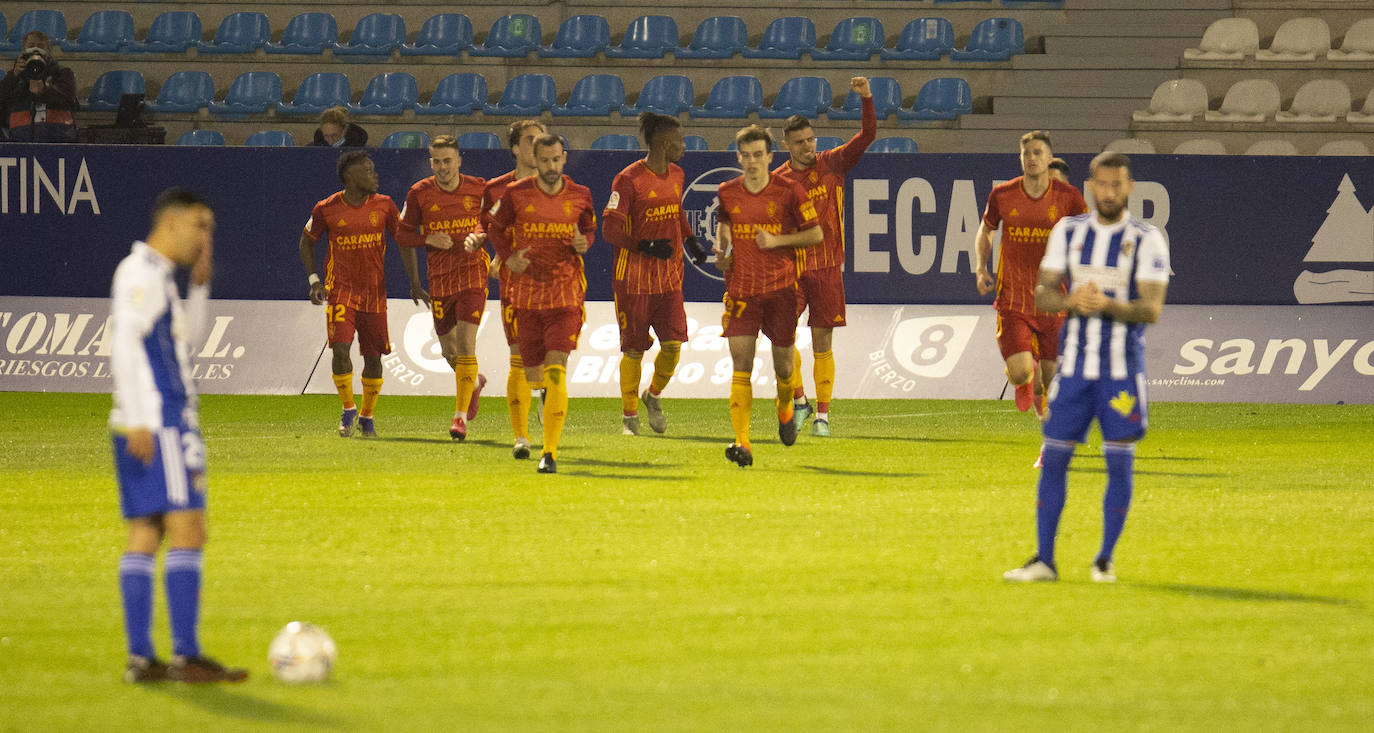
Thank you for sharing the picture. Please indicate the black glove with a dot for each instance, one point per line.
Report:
(660, 248)
(695, 252)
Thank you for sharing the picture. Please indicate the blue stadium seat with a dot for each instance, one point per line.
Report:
(525, 95)
(251, 93)
(105, 30)
(445, 34)
(614, 141)
(241, 32)
(893, 145)
(375, 34)
(993, 39)
(579, 37)
(317, 93)
(171, 32)
(887, 101)
(407, 139)
(479, 141)
(51, 22)
(456, 94)
(112, 85)
(513, 36)
(828, 142)
(923, 39)
(669, 94)
(695, 142)
(720, 37)
(593, 95)
(270, 139)
(785, 38)
(307, 33)
(854, 39)
(648, 37)
(201, 137)
(184, 91)
(943, 99)
(391, 93)
(801, 95)
(732, 96)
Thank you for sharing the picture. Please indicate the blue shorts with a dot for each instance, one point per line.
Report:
(1118, 404)
(174, 481)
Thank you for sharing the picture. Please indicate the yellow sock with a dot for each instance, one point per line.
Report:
(741, 402)
(372, 389)
(630, 370)
(344, 384)
(555, 406)
(664, 365)
(784, 400)
(798, 393)
(518, 398)
(465, 377)
(825, 379)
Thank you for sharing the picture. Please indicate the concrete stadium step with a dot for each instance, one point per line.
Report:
(1045, 121)
(1105, 105)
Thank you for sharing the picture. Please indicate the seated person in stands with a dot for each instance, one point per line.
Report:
(335, 130)
(38, 96)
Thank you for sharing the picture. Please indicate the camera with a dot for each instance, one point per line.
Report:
(35, 62)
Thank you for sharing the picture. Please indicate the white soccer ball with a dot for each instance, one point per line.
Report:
(302, 652)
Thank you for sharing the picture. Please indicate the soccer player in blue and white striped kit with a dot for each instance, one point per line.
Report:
(158, 452)
(1116, 269)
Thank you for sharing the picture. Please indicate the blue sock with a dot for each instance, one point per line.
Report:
(1050, 494)
(1120, 479)
(136, 590)
(181, 572)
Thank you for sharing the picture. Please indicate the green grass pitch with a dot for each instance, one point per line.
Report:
(850, 583)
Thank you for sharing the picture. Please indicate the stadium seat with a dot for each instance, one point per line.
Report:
(1358, 44)
(669, 94)
(993, 39)
(241, 32)
(887, 101)
(525, 95)
(112, 85)
(270, 139)
(1319, 100)
(251, 93)
(1200, 146)
(695, 142)
(171, 32)
(785, 38)
(375, 34)
(1364, 115)
(4, 30)
(801, 95)
(479, 141)
(614, 141)
(893, 145)
(828, 142)
(184, 91)
(719, 37)
(593, 95)
(1248, 100)
(407, 139)
(854, 39)
(105, 31)
(732, 96)
(318, 92)
(512, 36)
(1344, 147)
(51, 22)
(579, 37)
(307, 33)
(1272, 147)
(944, 98)
(1176, 100)
(201, 137)
(456, 94)
(922, 39)
(390, 93)
(445, 34)
(648, 37)
(1130, 145)
(1227, 39)
(1298, 39)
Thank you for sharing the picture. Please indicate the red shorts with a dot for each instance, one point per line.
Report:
(542, 331)
(508, 323)
(1038, 334)
(823, 291)
(342, 321)
(464, 305)
(773, 313)
(637, 313)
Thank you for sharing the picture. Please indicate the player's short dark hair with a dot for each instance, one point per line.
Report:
(1110, 159)
(794, 123)
(444, 141)
(548, 139)
(1040, 135)
(751, 134)
(349, 159)
(176, 198)
(516, 130)
(653, 124)
(1058, 164)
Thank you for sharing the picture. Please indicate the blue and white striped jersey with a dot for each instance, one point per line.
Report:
(151, 334)
(1118, 258)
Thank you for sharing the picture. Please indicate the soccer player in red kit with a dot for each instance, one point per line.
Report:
(762, 219)
(439, 213)
(645, 222)
(821, 282)
(357, 220)
(540, 228)
(1026, 208)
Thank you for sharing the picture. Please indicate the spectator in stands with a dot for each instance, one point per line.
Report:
(38, 96)
(1059, 169)
(336, 131)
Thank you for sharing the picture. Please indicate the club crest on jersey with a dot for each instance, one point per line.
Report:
(567, 208)
(772, 209)
(1127, 247)
(1054, 212)
(372, 218)
(470, 203)
(812, 177)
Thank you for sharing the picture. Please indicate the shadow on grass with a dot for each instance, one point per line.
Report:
(625, 465)
(1139, 472)
(1246, 594)
(621, 476)
(832, 471)
(231, 703)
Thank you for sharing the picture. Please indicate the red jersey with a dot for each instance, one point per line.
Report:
(824, 184)
(355, 266)
(528, 219)
(781, 208)
(431, 210)
(490, 195)
(1026, 224)
(645, 205)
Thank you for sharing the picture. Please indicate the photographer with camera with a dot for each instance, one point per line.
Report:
(38, 96)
